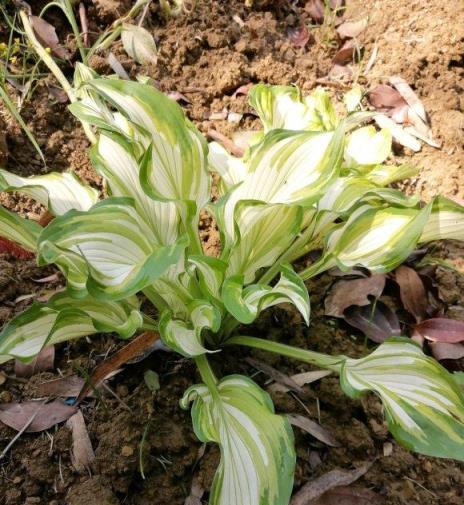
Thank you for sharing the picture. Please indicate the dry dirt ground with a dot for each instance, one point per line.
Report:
(207, 56)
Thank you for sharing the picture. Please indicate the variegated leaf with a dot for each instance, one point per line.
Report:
(59, 192)
(185, 337)
(177, 168)
(245, 304)
(446, 221)
(257, 452)
(366, 147)
(118, 248)
(17, 229)
(210, 272)
(424, 406)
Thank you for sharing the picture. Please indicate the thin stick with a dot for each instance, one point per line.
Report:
(20, 432)
(84, 24)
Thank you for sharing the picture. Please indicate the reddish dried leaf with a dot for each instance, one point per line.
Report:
(345, 54)
(316, 10)
(352, 495)
(443, 350)
(351, 29)
(353, 292)
(44, 361)
(227, 143)
(410, 96)
(243, 90)
(313, 428)
(43, 415)
(47, 36)
(9, 247)
(441, 329)
(335, 478)
(128, 352)
(299, 36)
(412, 291)
(64, 387)
(384, 97)
(82, 455)
(378, 322)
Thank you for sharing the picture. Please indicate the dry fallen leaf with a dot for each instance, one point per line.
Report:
(316, 10)
(82, 455)
(130, 351)
(384, 97)
(301, 379)
(196, 493)
(313, 428)
(9, 247)
(443, 350)
(64, 387)
(44, 361)
(398, 133)
(412, 292)
(47, 36)
(351, 29)
(346, 53)
(353, 292)
(317, 487)
(378, 322)
(227, 143)
(441, 329)
(299, 36)
(410, 96)
(45, 415)
(350, 495)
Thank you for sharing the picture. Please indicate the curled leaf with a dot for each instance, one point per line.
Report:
(314, 429)
(47, 36)
(412, 291)
(44, 361)
(442, 329)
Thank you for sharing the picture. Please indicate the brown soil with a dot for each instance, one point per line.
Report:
(207, 56)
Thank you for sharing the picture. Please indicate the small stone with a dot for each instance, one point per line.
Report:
(17, 480)
(127, 451)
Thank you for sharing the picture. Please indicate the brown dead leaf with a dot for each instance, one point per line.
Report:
(44, 361)
(196, 493)
(82, 455)
(299, 36)
(242, 90)
(47, 36)
(313, 428)
(301, 379)
(350, 495)
(441, 329)
(314, 489)
(316, 10)
(351, 29)
(125, 354)
(412, 292)
(64, 387)
(443, 350)
(45, 415)
(9, 247)
(277, 376)
(353, 292)
(384, 98)
(410, 96)
(346, 53)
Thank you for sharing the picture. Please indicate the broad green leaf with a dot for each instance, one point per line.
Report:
(119, 249)
(177, 167)
(446, 221)
(59, 192)
(424, 406)
(266, 231)
(139, 44)
(185, 337)
(378, 239)
(62, 319)
(115, 158)
(367, 146)
(257, 452)
(245, 304)
(17, 229)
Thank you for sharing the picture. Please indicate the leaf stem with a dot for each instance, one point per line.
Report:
(206, 372)
(333, 363)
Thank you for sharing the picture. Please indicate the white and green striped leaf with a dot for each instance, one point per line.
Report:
(424, 406)
(446, 221)
(185, 337)
(59, 192)
(118, 248)
(177, 168)
(245, 304)
(232, 170)
(383, 175)
(62, 319)
(115, 158)
(366, 147)
(257, 451)
(210, 272)
(378, 239)
(18, 229)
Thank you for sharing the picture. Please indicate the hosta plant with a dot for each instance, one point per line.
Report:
(309, 180)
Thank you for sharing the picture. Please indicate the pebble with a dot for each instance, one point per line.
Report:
(127, 451)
